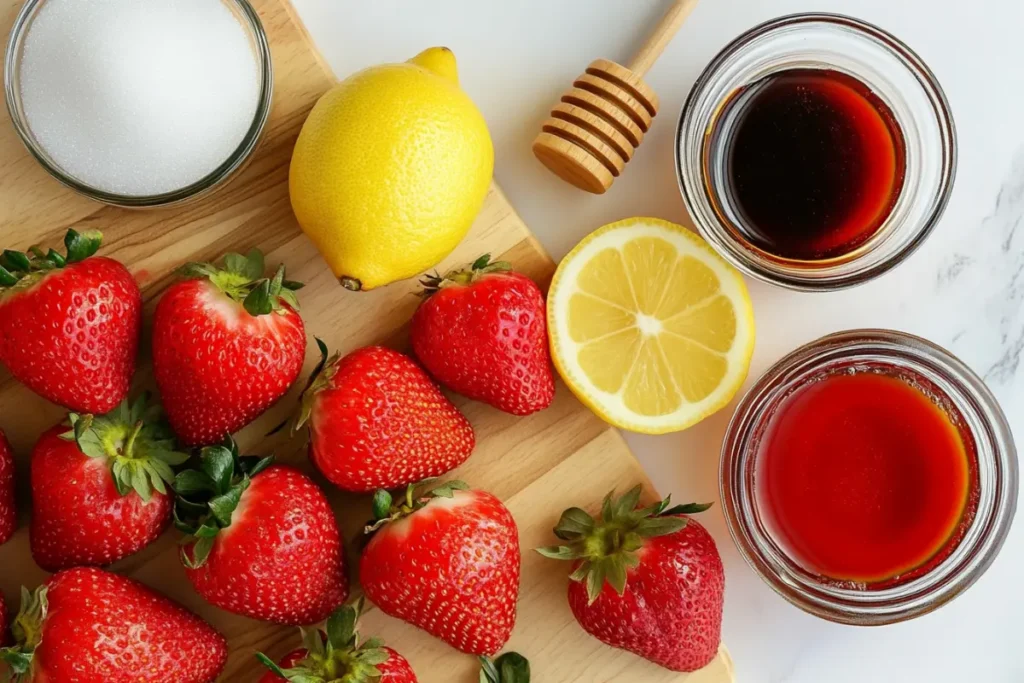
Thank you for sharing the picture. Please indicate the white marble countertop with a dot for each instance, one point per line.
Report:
(963, 289)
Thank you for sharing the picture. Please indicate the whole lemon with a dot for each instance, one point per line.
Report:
(390, 170)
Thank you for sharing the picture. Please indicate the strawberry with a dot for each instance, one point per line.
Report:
(69, 325)
(446, 562)
(648, 580)
(4, 633)
(376, 420)
(8, 510)
(87, 625)
(227, 344)
(264, 541)
(336, 654)
(99, 487)
(482, 332)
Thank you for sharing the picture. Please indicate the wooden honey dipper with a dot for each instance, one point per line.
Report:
(598, 124)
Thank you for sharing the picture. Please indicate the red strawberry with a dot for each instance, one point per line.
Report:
(337, 654)
(482, 332)
(645, 580)
(227, 344)
(265, 543)
(4, 633)
(99, 487)
(376, 420)
(69, 326)
(447, 562)
(87, 625)
(8, 510)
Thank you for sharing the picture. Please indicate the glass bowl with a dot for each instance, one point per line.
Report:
(249, 20)
(971, 407)
(891, 70)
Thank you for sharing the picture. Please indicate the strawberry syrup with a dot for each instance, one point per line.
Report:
(865, 478)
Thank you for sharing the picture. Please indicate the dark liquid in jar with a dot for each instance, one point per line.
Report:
(815, 163)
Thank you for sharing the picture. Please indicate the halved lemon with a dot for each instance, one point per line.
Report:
(649, 327)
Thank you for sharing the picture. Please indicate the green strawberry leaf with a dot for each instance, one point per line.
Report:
(200, 553)
(255, 266)
(218, 464)
(272, 665)
(510, 667)
(19, 661)
(122, 479)
(559, 552)
(288, 296)
(627, 503)
(607, 511)
(448, 489)
(81, 246)
(252, 465)
(276, 284)
(660, 526)
(195, 271)
(15, 260)
(259, 301)
(139, 481)
(56, 259)
(192, 482)
(573, 524)
(223, 506)
(237, 264)
(688, 509)
(341, 627)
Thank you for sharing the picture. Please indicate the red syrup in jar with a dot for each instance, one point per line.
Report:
(865, 478)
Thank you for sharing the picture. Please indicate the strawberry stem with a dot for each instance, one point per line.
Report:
(336, 654)
(606, 548)
(129, 445)
(136, 441)
(208, 496)
(243, 279)
(385, 510)
(18, 269)
(466, 276)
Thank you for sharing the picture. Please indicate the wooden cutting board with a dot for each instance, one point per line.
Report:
(537, 465)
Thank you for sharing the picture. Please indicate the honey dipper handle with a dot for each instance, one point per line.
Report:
(645, 57)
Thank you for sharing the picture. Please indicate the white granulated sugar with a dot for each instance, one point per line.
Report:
(138, 97)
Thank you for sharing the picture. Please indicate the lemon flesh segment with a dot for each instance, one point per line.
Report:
(649, 327)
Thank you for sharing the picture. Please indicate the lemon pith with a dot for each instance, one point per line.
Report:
(649, 327)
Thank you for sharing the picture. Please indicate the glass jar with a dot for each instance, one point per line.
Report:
(971, 407)
(891, 70)
(235, 162)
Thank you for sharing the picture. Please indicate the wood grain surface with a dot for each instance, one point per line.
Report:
(539, 465)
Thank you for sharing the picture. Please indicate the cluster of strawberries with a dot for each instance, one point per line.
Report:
(260, 538)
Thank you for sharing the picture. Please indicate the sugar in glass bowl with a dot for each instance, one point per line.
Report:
(139, 104)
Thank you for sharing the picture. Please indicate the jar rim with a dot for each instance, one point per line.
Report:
(984, 534)
(233, 163)
(696, 123)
